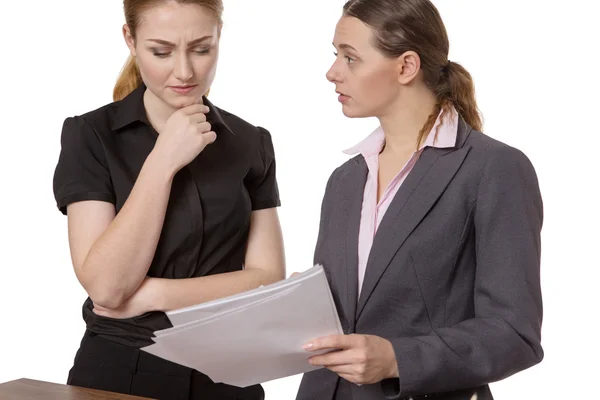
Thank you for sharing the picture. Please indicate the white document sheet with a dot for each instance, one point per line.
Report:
(255, 336)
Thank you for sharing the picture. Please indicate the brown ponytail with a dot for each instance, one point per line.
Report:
(462, 95)
(416, 25)
(129, 79)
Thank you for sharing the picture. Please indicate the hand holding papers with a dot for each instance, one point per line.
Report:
(255, 336)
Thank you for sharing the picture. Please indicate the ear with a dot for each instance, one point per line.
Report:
(408, 67)
(129, 40)
(219, 29)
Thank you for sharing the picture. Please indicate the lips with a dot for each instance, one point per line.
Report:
(182, 89)
(342, 98)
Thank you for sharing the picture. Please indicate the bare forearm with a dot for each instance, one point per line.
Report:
(179, 293)
(119, 260)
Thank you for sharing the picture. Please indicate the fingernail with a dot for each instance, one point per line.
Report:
(308, 346)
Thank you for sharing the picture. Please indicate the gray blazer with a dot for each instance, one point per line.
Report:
(453, 277)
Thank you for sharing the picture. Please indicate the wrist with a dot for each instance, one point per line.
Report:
(160, 166)
(157, 297)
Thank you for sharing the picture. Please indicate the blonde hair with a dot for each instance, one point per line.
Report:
(130, 78)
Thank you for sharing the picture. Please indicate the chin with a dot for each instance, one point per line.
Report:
(183, 101)
(351, 112)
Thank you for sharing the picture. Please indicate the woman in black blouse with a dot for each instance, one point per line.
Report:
(171, 202)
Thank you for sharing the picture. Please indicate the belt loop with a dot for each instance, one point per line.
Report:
(135, 358)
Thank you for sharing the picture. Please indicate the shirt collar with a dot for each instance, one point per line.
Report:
(442, 135)
(131, 109)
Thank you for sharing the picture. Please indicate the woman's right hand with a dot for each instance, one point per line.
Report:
(185, 134)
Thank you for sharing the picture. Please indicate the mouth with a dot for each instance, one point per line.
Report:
(183, 89)
(342, 98)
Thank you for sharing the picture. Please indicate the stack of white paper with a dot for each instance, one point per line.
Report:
(255, 336)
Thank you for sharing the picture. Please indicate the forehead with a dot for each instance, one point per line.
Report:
(173, 21)
(352, 31)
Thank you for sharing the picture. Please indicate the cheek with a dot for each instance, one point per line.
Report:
(205, 67)
(152, 69)
(376, 83)
(371, 90)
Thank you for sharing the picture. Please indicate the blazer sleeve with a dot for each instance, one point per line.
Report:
(323, 220)
(504, 336)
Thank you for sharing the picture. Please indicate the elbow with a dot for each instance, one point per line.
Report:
(108, 300)
(527, 353)
(105, 295)
(538, 353)
(532, 345)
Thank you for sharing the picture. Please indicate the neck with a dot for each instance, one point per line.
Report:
(157, 111)
(405, 119)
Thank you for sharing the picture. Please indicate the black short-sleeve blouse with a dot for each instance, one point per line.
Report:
(208, 216)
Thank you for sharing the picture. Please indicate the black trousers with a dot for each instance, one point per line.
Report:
(103, 364)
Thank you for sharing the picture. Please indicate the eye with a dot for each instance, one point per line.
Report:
(202, 51)
(349, 60)
(159, 52)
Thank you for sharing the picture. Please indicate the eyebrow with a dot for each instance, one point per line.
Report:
(345, 46)
(192, 43)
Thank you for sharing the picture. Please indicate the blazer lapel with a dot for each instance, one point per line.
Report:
(418, 193)
(354, 183)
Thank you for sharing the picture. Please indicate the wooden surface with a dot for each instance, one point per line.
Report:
(28, 389)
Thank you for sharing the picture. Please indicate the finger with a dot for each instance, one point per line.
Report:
(197, 118)
(209, 137)
(346, 372)
(330, 342)
(294, 274)
(342, 369)
(352, 379)
(195, 109)
(204, 127)
(332, 358)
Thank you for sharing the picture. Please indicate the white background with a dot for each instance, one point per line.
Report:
(536, 70)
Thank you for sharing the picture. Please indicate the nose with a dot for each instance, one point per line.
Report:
(183, 70)
(333, 75)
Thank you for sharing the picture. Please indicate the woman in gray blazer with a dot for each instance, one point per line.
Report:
(430, 234)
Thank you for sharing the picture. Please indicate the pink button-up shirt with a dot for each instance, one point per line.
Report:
(442, 135)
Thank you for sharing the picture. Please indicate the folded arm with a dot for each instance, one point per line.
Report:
(111, 252)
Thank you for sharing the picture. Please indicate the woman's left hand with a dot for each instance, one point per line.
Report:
(141, 301)
(361, 359)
